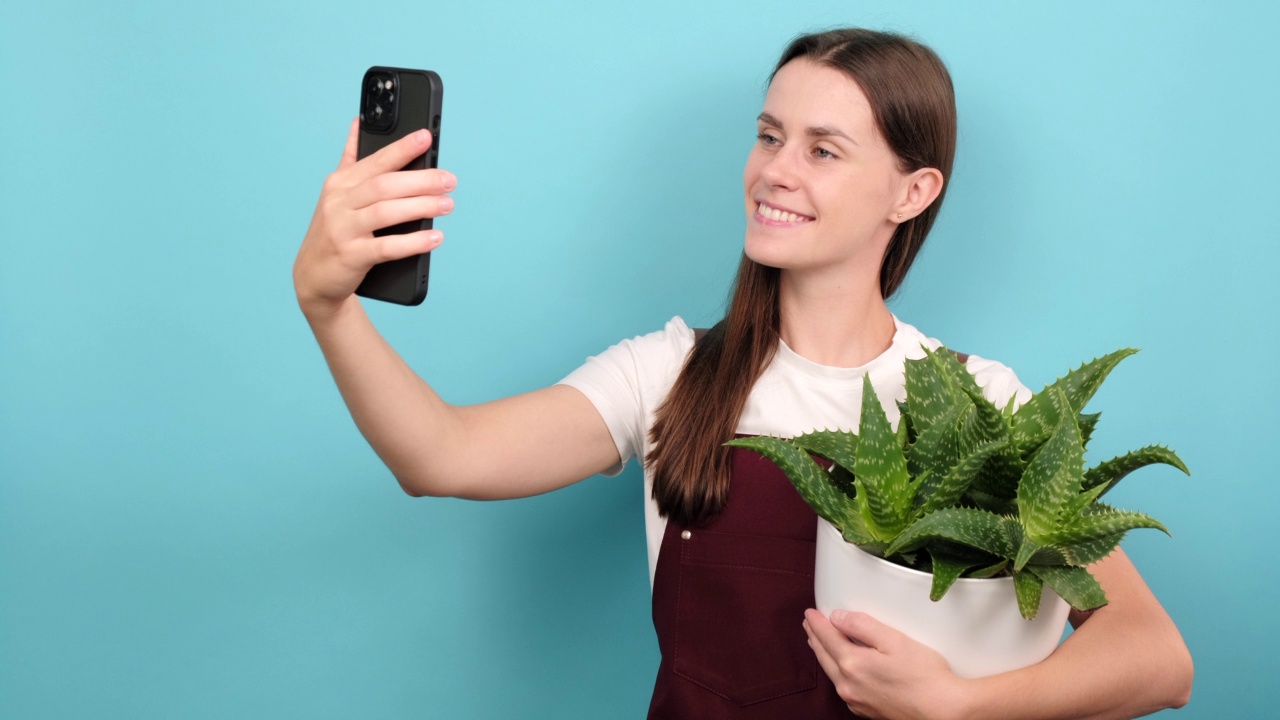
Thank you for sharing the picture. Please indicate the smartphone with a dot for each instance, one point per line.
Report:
(395, 102)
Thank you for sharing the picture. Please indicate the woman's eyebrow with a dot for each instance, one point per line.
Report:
(815, 131)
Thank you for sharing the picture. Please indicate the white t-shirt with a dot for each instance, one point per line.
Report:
(628, 382)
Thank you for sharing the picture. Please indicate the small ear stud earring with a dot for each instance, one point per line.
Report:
(899, 216)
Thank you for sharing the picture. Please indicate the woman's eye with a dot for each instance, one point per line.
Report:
(767, 139)
(823, 153)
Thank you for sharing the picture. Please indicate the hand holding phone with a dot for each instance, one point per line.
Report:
(365, 207)
(394, 103)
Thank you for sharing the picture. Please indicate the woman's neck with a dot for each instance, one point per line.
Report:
(834, 324)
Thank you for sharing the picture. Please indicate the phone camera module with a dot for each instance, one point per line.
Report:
(377, 107)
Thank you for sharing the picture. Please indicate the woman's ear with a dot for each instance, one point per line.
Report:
(920, 188)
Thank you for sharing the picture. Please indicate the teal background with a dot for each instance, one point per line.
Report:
(190, 524)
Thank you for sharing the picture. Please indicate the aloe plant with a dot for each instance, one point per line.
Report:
(965, 489)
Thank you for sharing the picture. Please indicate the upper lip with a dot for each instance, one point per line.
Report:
(776, 206)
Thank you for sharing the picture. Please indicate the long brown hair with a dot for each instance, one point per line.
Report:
(913, 102)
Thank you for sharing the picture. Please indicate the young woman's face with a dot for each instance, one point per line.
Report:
(821, 183)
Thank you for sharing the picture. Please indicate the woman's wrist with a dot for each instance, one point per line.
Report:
(957, 699)
(323, 313)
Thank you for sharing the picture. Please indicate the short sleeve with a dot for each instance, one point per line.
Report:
(998, 382)
(627, 383)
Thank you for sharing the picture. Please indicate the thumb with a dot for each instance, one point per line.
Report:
(864, 629)
(353, 139)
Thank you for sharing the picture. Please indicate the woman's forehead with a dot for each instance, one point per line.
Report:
(810, 94)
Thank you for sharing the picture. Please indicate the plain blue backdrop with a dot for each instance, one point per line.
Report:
(190, 524)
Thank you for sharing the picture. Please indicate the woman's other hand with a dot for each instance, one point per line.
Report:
(878, 671)
(357, 199)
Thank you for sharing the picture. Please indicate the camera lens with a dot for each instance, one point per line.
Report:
(377, 110)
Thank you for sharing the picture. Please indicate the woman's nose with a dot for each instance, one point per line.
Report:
(780, 169)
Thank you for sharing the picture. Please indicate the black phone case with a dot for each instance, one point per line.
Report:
(404, 281)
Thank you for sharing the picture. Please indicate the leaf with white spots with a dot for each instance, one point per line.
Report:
(1073, 584)
(1108, 473)
(1029, 589)
(1102, 522)
(937, 449)
(928, 393)
(1035, 420)
(946, 570)
(810, 479)
(881, 469)
(969, 526)
(955, 483)
(838, 446)
(1053, 477)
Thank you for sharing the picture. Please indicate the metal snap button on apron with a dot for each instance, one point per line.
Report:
(686, 535)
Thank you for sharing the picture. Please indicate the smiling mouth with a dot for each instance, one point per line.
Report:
(780, 216)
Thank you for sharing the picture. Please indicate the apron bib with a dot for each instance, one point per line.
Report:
(728, 602)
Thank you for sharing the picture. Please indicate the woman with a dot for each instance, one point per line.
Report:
(855, 143)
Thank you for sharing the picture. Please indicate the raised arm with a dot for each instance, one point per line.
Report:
(518, 446)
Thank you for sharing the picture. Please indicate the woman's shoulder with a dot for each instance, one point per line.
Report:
(650, 357)
(672, 342)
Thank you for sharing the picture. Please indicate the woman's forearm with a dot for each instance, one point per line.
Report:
(412, 429)
(1127, 659)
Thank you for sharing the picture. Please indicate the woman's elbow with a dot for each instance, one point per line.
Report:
(418, 485)
(1182, 675)
(1172, 670)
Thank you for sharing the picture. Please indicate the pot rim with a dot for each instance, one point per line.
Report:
(912, 573)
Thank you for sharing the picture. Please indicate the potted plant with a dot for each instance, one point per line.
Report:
(988, 511)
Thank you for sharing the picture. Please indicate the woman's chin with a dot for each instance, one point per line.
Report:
(769, 253)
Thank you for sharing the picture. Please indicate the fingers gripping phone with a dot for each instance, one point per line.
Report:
(395, 102)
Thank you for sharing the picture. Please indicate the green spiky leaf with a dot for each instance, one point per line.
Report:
(858, 534)
(929, 395)
(986, 424)
(881, 468)
(958, 378)
(1029, 589)
(989, 425)
(937, 449)
(1076, 506)
(990, 570)
(1027, 550)
(1102, 522)
(1086, 552)
(1107, 474)
(809, 478)
(1034, 421)
(1010, 407)
(955, 483)
(1073, 584)
(1053, 477)
(1087, 423)
(838, 446)
(979, 529)
(992, 503)
(946, 570)
(905, 421)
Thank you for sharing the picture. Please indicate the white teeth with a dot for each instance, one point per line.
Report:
(777, 215)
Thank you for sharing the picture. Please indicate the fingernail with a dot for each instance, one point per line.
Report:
(450, 182)
(420, 136)
(838, 615)
(435, 237)
(446, 204)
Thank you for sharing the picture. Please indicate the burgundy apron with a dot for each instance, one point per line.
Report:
(728, 602)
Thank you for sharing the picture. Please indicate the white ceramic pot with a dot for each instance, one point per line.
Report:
(976, 626)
